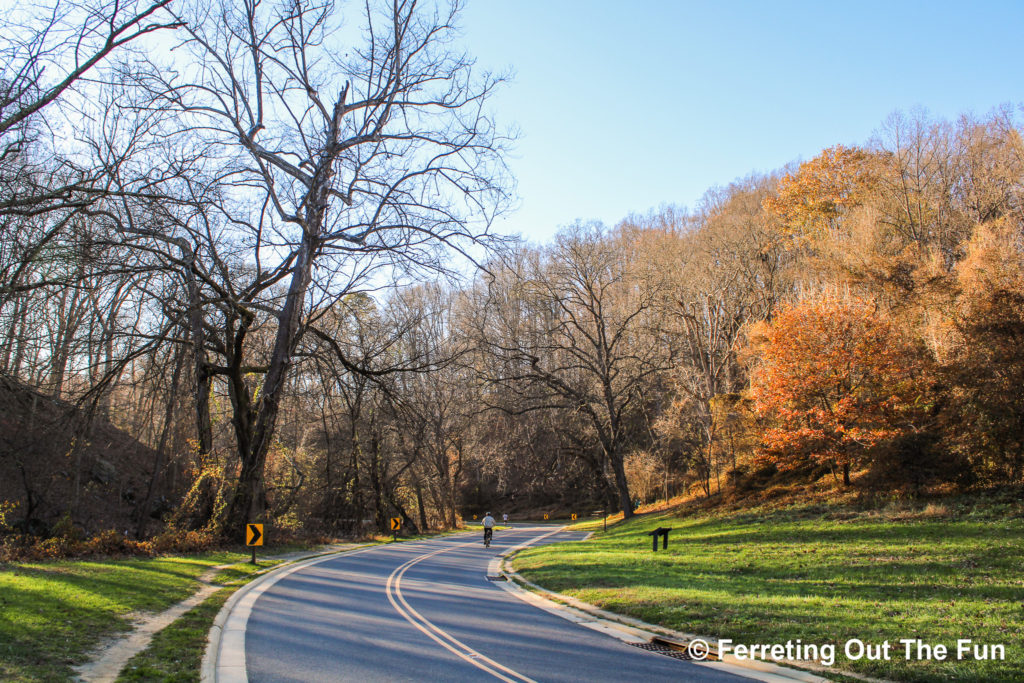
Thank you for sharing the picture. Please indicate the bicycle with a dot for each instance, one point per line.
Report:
(488, 533)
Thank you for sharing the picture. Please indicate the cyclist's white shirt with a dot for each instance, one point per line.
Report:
(488, 522)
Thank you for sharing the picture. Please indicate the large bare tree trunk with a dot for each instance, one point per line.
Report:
(249, 499)
(392, 140)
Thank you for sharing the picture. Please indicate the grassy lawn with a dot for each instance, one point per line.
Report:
(52, 614)
(176, 653)
(822, 577)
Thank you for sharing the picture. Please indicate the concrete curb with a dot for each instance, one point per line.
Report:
(630, 630)
(225, 643)
(108, 662)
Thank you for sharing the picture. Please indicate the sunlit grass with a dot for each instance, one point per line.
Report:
(176, 653)
(52, 614)
(798, 574)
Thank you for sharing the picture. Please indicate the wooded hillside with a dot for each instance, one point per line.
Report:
(253, 265)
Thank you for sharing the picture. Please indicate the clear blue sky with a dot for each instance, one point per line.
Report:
(627, 105)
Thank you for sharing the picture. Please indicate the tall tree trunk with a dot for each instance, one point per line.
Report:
(613, 456)
(20, 306)
(621, 485)
(418, 488)
(142, 512)
(377, 484)
(204, 427)
(248, 502)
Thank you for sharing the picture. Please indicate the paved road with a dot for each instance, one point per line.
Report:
(425, 611)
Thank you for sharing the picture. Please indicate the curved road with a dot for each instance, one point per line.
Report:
(424, 610)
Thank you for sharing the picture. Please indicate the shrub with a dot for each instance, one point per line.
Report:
(65, 529)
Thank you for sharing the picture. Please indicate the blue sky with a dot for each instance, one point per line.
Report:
(624, 106)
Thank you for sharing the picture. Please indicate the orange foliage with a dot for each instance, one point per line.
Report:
(835, 378)
(816, 195)
(18, 548)
(986, 363)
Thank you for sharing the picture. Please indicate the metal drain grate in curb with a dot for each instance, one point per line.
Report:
(664, 650)
(497, 578)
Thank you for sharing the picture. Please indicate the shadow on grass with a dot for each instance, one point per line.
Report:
(780, 576)
(52, 615)
(921, 580)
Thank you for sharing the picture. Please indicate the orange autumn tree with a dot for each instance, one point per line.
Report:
(822, 190)
(834, 378)
(985, 364)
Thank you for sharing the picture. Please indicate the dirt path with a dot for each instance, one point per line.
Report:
(107, 662)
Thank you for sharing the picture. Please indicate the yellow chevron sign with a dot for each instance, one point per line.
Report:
(254, 534)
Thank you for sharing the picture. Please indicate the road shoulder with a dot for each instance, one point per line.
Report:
(224, 659)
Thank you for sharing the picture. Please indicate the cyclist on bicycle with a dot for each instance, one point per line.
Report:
(488, 523)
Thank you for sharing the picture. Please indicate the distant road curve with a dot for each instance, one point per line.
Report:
(425, 611)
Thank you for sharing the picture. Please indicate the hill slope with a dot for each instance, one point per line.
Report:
(54, 461)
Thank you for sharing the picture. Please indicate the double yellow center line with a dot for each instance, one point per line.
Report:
(442, 638)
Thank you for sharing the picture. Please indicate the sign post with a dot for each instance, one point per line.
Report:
(396, 525)
(253, 538)
(660, 531)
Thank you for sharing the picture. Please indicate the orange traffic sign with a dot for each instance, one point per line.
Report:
(396, 523)
(545, 515)
(254, 534)
(574, 516)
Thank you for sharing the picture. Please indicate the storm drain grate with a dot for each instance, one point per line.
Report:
(664, 650)
(497, 578)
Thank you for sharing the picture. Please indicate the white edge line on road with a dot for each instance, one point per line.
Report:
(224, 659)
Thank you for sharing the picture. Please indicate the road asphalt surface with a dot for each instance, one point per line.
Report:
(425, 611)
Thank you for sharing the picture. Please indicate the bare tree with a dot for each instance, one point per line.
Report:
(722, 275)
(575, 329)
(339, 154)
(49, 85)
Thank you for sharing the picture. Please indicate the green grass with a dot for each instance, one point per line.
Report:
(816, 576)
(175, 654)
(52, 614)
